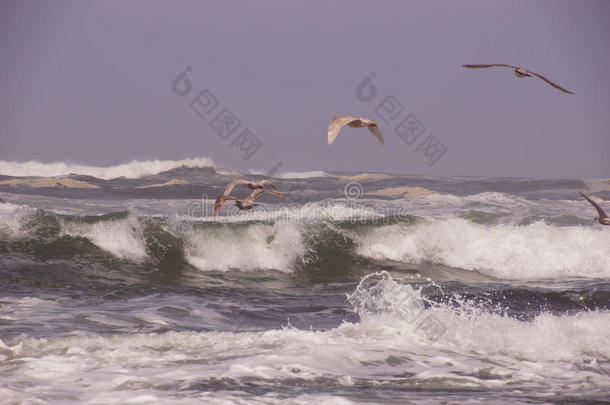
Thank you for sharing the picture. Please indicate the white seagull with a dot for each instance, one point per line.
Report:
(353, 122)
(248, 202)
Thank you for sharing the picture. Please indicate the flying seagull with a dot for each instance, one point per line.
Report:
(602, 217)
(252, 185)
(246, 203)
(226, 195)
(353, 122)
(520, 72)
(220, 202)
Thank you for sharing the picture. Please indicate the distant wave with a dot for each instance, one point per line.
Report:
(132, 170)
(303, 175)
(534, 251)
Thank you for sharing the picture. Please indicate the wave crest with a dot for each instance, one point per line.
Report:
(534, 251)
(132, 170)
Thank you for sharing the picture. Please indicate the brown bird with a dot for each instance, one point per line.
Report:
(252, 185)
(353, 122)
(220, 202)
(248, 202)
(602, 217)
(520, 72)
(226, 195)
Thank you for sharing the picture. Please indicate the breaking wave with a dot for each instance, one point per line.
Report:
(470, 348)
(132, 170)
(534, 251)
(518, 252)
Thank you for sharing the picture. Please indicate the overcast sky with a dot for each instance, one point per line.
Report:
(91, 83)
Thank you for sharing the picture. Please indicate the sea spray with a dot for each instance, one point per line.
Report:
(378, 295)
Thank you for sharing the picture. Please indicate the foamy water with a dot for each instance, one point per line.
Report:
(534, 251)
(127, 295)
(479, 350)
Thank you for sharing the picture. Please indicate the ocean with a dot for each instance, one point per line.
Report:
(119, 285)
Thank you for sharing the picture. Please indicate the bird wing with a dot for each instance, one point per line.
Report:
(232, 185)
(600, 211)
(335, 126)
(491, 65)
(549, 82)
(269, 183)
(375, 131)
(525, 70)
(253, 185)
(260, 191)
(220, 201)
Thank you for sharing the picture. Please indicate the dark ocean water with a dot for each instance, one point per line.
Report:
(470, 290)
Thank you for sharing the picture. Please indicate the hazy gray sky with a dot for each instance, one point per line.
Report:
(91, 82)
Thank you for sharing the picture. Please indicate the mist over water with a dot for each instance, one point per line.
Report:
(468, 290)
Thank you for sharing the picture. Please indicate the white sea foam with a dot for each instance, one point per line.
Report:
(131, 170)
(478, 349)
(535, 251)
(290, 175)
(256, 246)
(303, 175)
(11, 220)
(122, 237)
(328, 210)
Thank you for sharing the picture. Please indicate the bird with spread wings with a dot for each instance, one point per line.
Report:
(258, 187)
(601, 215)
(519, 72)
(353, 122)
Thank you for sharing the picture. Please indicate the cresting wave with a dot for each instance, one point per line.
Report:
(528, 252)
(534, 251)
(303, 175)
(132, 170)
